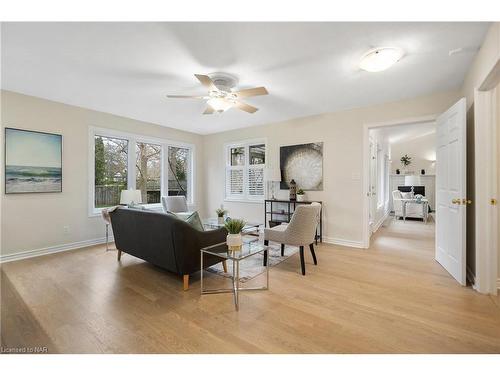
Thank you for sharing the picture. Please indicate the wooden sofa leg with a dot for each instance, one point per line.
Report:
(119, 255)
(282, 249)
(224, 265)
(186, 281)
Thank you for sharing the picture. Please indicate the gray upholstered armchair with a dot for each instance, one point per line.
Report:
(176, 203)
(299, 232)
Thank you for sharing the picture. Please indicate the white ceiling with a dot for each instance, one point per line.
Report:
(404, 133)
(308, 68)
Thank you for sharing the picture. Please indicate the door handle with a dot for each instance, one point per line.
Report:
(493, 202)
(456, 201)
(466, 201)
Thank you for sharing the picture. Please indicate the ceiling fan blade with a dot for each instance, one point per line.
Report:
(186, 96)
(207, 82)
(245, 107)
(251, 92)
(208, 111)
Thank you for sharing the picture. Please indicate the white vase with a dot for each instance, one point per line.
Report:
(234, 241)
(220, 219)
(301, 197)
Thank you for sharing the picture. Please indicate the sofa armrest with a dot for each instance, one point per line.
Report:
(189, 241)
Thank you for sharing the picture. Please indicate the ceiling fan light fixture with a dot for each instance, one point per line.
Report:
(379, 59)
(219, 104)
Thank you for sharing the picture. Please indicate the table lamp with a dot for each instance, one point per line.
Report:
(130, 197)
(413, 180)
(272, 175)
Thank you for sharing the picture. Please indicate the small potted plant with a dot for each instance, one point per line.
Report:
(234, 239)
(220, 214)
(405, 161)
(301, 195)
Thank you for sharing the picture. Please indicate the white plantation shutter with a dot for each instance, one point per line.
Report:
(245, 175)
(256, 182)
(235, 182)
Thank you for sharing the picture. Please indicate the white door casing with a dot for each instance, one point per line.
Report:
(451, 191)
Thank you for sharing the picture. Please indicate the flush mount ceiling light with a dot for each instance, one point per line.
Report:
(379, 59)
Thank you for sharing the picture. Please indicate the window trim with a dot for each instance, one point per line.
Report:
(245, 197)
(132, 139)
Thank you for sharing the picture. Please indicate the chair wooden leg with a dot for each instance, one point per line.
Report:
(224, 265)
(266, 243)
(302, 263)
(282, 249)
(311, 247)
(119, 255)
(186, 281)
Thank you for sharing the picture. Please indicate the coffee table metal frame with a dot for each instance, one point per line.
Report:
(235, 257)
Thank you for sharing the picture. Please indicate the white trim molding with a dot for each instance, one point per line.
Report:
(384, 217)
(53, 249)
(343, 242)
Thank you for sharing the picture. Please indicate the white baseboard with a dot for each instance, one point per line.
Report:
(342, 242)
(380, 222)
(52, 249)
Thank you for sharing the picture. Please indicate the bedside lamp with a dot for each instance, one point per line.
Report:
(272, 175)
(130, 197)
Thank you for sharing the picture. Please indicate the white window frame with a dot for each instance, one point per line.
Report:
(133, 139)
(245, 197)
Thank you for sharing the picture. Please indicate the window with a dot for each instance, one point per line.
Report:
(119, 161)
(110, 170)
(178, 170)
(245, 171)
(148, 171)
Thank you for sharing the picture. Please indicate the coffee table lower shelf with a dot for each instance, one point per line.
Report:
(235, 257)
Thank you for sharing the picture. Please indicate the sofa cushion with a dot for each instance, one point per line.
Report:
(192, 218)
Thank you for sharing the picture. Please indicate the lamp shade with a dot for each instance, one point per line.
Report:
(272, 174)
(130, 196)
(413, 180)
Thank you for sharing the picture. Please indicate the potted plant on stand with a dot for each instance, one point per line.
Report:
(234, 239)
(301, 195)
(220, 214)
(405, 162)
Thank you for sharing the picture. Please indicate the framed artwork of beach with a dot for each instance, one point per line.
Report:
(33, 162)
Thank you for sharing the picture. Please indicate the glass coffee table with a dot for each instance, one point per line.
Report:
(248, 249)
(251, 229)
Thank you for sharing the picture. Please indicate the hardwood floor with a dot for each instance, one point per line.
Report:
(392, 298)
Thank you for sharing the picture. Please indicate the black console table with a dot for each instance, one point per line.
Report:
(278, 211)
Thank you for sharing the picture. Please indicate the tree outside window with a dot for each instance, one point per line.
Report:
(178, 165)
(111, 155)
(148, 171)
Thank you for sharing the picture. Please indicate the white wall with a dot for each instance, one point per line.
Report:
(422, 151)
(35, 221)
(342, 134)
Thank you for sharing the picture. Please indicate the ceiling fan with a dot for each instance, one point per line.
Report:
(221, 96)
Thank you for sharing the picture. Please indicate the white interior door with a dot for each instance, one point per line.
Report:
(451, 190)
